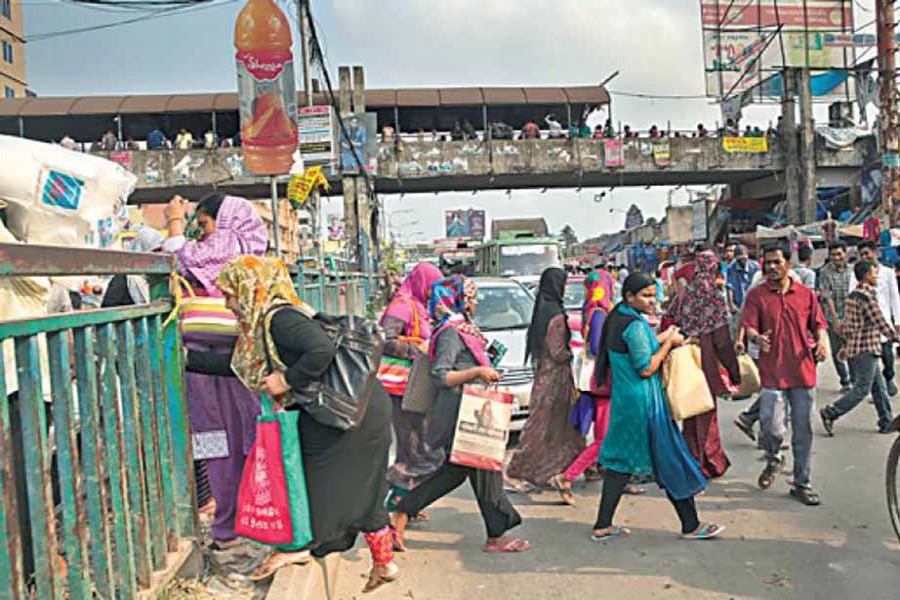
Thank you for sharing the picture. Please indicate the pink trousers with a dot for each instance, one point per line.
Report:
(588, 456)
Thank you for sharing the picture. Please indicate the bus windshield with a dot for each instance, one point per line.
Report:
(527, 259)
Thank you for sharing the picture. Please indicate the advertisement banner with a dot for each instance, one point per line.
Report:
(300, 186)
(745, 145)
(746, 42)
(613, 153)
(698, 222)
(359, 135)
(316, 125)
(662, 154)
(465, 223)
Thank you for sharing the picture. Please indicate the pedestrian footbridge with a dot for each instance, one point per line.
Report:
(420, 166)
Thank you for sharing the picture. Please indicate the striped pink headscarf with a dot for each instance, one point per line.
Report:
(239, 231)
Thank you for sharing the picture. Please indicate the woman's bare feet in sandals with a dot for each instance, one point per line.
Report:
(561, 484)
(705, 531)
(634, 490)
(506, 544)
(380, 575)
(278, 560)
(398, 530)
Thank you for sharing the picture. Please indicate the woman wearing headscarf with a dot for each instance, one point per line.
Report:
(458, 354)
(702, 313)
(344, 470)
(642, 438)
(407, 327)
(222, 412)
(548, 443)
(593, 405)
(126, 290)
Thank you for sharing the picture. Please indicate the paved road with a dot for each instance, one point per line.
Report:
(773, 548)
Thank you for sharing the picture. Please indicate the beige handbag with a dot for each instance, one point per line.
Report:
(685, 383)
(750, 382)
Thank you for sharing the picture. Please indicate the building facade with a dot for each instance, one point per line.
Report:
(12, 40)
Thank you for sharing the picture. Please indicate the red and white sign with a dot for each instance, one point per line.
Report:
(792, 14)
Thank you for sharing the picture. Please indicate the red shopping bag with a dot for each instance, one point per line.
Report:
(273, 507)
(482, 428)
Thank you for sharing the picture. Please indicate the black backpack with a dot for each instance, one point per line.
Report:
(340, 397)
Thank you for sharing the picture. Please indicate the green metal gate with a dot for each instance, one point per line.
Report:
(118, 435)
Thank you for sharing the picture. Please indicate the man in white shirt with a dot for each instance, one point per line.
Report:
(889, 302)
(804, 269)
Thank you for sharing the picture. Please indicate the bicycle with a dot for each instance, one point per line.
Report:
(892, 480)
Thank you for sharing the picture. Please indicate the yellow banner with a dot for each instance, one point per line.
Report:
(301, 186)
(754, 145)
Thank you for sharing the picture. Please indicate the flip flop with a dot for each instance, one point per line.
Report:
(564, 487)
(279, 560)
(707, 531)
(634, 490)
(617, 532)
(512, 546)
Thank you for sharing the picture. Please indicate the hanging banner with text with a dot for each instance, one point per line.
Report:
(613, 153)
(662, 153)
(745, 145)
(300, 186)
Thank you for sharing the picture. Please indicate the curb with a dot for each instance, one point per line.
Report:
(314, 581)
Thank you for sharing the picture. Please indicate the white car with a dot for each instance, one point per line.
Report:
(503, 314)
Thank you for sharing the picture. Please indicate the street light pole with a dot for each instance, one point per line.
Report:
(889, 119)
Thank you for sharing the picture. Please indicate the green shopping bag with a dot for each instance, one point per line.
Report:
(273, 507)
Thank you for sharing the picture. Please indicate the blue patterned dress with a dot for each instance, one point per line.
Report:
(642, 438)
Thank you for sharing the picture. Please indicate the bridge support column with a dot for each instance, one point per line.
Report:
(808, 197)
(790, 148)
(357, 209)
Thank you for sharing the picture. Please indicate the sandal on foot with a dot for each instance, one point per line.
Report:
(421, 517)
(745, 428)
(592, 475)
(616, 532)
(706, 531)
(564, 487)
(510, 546)
(376, 579)
(279, 560)
(634, 490)
(806, 496)
(768, 476)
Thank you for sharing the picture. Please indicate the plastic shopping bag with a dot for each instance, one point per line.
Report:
(482, 428)
(685, 383)
(272, 504)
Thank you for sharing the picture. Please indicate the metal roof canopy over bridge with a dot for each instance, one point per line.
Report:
(86, 118)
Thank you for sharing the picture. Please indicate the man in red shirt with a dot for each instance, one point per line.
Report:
(783, 317)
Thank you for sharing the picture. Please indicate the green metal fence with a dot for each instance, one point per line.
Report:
(334, 293)
(108, 474)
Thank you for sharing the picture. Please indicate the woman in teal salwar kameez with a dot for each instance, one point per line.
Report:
(642, 438)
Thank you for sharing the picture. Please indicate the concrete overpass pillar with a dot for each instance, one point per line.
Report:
(357, 209)
(791, 148)
(808, 197)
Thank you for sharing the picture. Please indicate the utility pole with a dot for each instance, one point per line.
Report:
(303, 21)
(888, 118)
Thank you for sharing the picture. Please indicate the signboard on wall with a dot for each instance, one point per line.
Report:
(746, 42)
(465, 223)
(316, 125)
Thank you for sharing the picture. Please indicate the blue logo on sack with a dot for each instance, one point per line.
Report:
(62, 191)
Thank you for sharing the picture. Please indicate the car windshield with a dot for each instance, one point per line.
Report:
(574, 296)
(503, 307)
(527, 259)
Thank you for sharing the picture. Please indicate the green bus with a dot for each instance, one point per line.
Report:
(522, 257)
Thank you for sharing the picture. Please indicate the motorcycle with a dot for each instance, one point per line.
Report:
(892, 481)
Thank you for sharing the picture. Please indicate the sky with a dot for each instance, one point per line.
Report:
(656, 45)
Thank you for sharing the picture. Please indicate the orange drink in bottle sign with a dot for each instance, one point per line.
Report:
(267, 98)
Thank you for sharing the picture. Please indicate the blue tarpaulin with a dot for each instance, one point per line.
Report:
(821, 85)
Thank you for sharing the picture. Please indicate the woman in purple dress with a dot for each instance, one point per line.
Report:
(222, 411)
